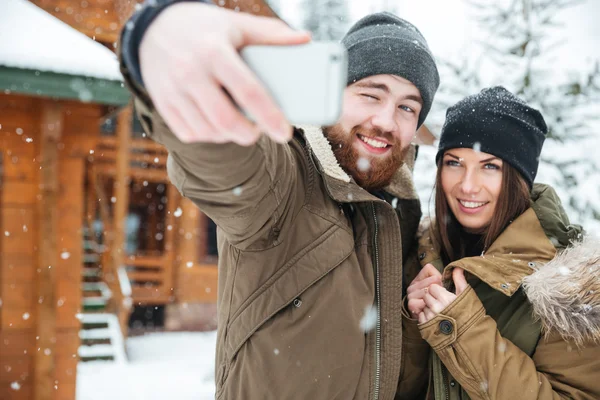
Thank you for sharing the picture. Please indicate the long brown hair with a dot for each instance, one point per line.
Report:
(449, 234)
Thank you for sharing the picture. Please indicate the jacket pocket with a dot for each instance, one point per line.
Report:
(323, 255)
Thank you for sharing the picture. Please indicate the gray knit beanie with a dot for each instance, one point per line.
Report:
(383, 43)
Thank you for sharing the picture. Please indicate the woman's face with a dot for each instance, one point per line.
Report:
(471, 181)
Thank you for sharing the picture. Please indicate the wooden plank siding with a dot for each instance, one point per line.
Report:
(41, 214)
(100, 20)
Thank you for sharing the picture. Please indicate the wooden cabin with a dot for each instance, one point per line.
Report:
(75, 169)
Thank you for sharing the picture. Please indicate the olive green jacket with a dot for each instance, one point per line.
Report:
(527, 327)
(310, 264)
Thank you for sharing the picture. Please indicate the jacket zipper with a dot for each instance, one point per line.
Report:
(378, 329)
(439, 378)
(444, 381)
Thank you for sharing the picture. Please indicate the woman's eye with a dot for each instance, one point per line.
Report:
(452, 163)
(491, 166)
(407, 108)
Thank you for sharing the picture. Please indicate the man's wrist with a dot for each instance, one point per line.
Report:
(134, 30)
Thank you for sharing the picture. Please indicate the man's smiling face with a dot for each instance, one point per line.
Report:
(379, 120)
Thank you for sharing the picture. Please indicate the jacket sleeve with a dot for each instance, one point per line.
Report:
(247, 191)
(488, 366)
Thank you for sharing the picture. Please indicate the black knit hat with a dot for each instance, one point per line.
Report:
(497, 122)
(383, 43)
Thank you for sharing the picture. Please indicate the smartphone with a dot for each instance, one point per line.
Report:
(306, 81)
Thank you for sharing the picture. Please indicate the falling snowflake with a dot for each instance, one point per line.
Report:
(26, 316)
(237, 191)
(15, 385)
(363, 164)
(276, 351)
(189, 264)
(477, 147)
(178, 212)
(369, 320)
(65, 255)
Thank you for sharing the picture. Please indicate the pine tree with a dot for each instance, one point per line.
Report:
(517, 54)
(326, 19)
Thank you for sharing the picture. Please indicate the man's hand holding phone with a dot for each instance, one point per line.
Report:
(190, 52)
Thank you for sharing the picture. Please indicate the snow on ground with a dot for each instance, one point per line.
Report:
(30, 38)
(160, 366)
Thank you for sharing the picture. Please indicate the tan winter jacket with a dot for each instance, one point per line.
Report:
(527, 327)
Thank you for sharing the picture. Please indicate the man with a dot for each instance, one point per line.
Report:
(314, 226)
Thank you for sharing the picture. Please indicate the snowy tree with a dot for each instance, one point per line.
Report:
(517, 52)
(326, 19)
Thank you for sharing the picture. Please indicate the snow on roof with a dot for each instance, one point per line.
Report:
(30, 38)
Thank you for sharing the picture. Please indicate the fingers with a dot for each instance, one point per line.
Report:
(182, 117)
(433, 304)
(246, 90)
(272, 31)
(429, 314)
(422, 318)
(222, 115)
(418, 285)
(427, 271)
(415, 306)
(460, 282)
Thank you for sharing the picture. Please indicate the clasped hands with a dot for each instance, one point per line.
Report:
(426, 295)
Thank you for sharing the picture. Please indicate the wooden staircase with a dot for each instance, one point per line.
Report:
(100, 334)
(101, 338)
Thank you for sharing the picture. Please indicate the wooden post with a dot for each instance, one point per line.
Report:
(172, 273)
(187, 252)
(121, 189)
(51, 130)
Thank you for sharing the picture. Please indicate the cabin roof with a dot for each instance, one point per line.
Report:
(41, 55)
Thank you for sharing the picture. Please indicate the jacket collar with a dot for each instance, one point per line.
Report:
(340, 185)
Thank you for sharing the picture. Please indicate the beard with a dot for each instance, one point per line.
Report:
(379, 171)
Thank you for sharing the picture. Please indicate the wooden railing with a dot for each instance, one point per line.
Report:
(147, 159)
(151, 278)
(150, 274)
(114, 276)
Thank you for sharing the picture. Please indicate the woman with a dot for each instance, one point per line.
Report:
(495, 313)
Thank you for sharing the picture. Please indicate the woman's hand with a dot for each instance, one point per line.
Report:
(437, 298)
(429, 275)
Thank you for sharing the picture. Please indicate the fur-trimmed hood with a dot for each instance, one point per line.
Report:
(565, 292)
